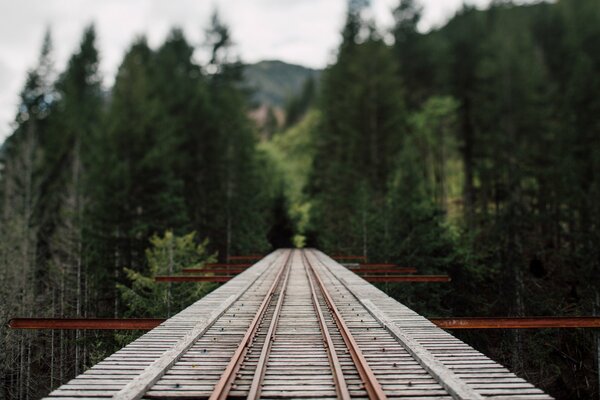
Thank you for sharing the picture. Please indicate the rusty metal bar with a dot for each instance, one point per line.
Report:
(192, 278)
(445, 323)
(516, 322)
(213, 270)
(85, 323)
(343, 257)
(236, 265)
(408, 278)
(405, 270)
(377, 265)
(248, 257)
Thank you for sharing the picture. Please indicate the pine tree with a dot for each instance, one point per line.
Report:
(20, 188)
(362, 128)
(168, 255)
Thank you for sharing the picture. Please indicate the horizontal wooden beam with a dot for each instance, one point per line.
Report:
(213, 270)
(408, 278)
(517, 322)
(248, 257)
(445, 323)
(376, 265)
(85, 323)
(192, 278)
(404, 270)
(343, 257)
(219, 265)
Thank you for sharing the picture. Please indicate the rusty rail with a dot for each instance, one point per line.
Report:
(336, 368)
(372, 385)
(223, 386)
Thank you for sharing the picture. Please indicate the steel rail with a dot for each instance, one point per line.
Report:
(140, 384)
(336, 367)
(259, 371)
(446, 377)
(223, 386)
(372, 385)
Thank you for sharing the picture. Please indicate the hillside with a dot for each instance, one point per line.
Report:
(274, 82)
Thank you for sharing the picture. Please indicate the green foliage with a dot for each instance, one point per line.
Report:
(168, 255)
(290, 156)
(363, 122)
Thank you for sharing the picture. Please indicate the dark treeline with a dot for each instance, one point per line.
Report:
(90, 176)
(473, 150)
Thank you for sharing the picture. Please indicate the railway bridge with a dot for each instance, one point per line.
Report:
(297, 325)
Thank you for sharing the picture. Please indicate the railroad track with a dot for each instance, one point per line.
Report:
(297, 325)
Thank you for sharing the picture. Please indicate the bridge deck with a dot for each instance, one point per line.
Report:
(298, 324)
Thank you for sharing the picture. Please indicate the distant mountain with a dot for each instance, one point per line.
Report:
(274, 82)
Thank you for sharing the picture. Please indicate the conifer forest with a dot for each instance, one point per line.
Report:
(471, 149)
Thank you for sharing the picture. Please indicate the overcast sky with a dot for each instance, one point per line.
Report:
(298, 31)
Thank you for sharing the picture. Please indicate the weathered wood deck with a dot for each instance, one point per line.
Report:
(298, 324)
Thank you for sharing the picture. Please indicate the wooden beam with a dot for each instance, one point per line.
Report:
(408, 278)
(213, 270)
(516, 322)
(445, 323)
(192, 278)
(343, 257)
(237, 265)
(405, 270)
(85, 323)
(377, 265)
(243, 258)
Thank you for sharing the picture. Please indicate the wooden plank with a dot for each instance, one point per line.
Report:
(136, 388)
(190, 278)
(448, 379)
(85, 323)
(408, 278)
(516, 322)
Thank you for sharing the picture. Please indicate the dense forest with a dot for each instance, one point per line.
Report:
(472, 149)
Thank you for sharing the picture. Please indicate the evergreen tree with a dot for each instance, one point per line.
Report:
(168, 255)
(363, 123)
